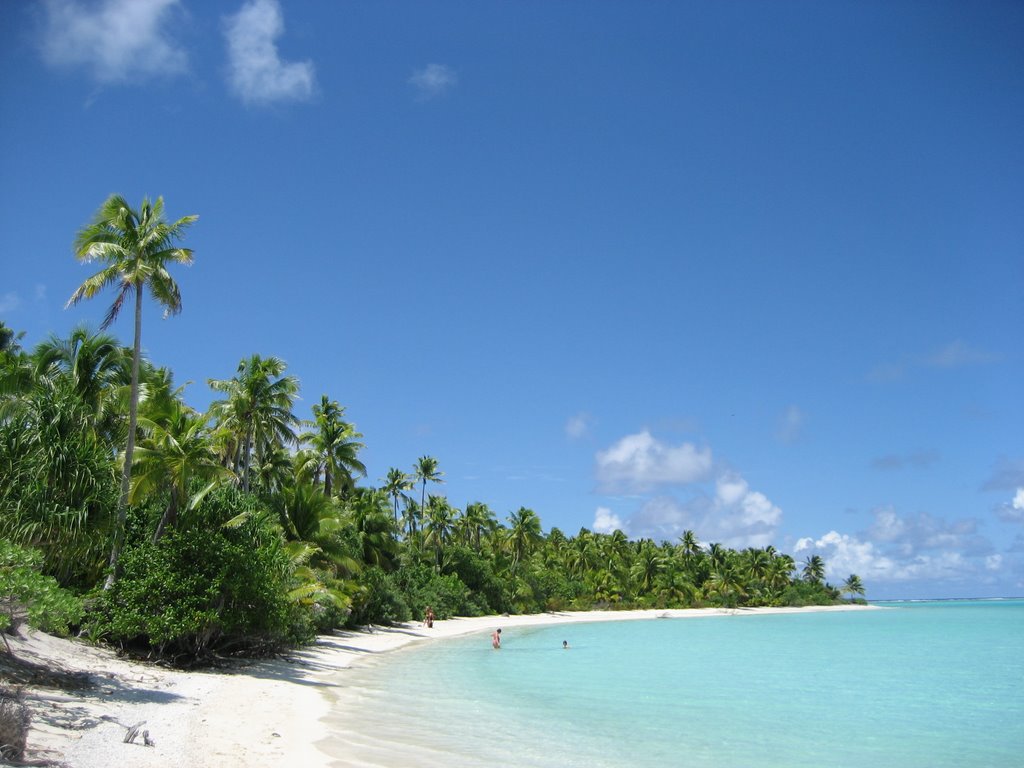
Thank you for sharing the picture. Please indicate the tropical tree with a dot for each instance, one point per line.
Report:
(255, 416)
(135, 247)
(814, 569)
(440, 524)
(174, 454)
(475, 521)
(852, 586)
(425, 470)
(335, 446)
(395, 485)
(524, 534)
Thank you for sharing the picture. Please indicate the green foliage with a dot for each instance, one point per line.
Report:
(381, 600)
(58, 482)
(24, 590)
(803, 593)
(202, 590)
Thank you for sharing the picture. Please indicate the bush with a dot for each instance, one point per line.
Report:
(380, 602)
(25, 591)
(197, 591)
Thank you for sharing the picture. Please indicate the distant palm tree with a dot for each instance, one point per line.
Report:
(335, 445)
(426, 470)
(852, 586)
(136, 248)
(814, 569)
(256, 411)
(524, 533)
(395, 485)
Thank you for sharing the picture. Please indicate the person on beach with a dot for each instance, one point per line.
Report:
(496, 639)
(429, 618)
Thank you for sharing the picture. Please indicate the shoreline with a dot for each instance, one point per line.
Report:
(259, 713)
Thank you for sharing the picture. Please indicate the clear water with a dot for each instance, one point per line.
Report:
(918, 684)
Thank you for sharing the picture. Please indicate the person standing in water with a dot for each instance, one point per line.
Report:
(496, 639)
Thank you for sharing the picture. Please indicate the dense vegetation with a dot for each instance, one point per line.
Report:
(248, 528)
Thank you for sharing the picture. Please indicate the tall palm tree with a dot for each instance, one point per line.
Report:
(335, 445)
(257, 411)
(425, 470)
(395, 485)
(135, 248)
(478, 519)
(440, 524)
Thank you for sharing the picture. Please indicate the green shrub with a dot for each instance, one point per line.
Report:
(25, 591)
(197, 591)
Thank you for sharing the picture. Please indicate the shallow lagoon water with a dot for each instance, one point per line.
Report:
(918, 684)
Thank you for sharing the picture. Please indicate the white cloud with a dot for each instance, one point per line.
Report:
(433, 80)
(791, 425)
(578, 425)
(9, 301)
(640, 462)
(257, 74)
(605, 521)
(119, 40)
(40, 292)
(735, 516)
(898, 549)
(1013, 512)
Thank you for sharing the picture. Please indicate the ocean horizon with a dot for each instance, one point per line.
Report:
(919, 683)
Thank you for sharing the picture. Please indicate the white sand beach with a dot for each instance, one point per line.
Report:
(264, 713)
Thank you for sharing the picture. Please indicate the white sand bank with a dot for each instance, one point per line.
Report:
(267, 713)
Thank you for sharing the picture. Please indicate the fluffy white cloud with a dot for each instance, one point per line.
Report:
(605, 521)
(735, 516)
(118, 40)
(898, 549)
(640, 462)
(433, 80)
(256, 72)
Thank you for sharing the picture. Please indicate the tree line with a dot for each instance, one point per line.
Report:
(140, 521)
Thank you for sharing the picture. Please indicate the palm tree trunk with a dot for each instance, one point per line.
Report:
(129, 451)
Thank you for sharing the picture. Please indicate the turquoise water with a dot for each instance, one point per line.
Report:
(916, 684)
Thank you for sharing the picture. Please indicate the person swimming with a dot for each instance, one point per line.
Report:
(565, 645)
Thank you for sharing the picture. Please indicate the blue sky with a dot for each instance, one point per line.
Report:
(754, 269)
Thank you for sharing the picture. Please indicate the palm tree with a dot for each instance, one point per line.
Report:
(440, 524)
(814, 569)
(174, 453)
(524, 534)
(97, 368)
(476, 520)
(256, 412)
(852, 586)
(648, 566)
(335, 445)
(136, 248)
(395, 485)
(426, 470)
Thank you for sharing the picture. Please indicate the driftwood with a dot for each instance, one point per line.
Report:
(132, 732)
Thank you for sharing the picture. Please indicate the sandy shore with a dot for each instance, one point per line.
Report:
(268, 713)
